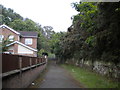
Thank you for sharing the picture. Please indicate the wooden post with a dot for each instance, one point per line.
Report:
(20, 65)
(0, 69)
(30, 62)
(36, 61)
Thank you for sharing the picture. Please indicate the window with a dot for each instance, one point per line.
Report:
(1, 38)
(11, 38)
(28, 41)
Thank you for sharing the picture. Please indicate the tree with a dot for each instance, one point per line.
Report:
(8, 15)
(48, 31)
(94, 34)
(18, 25)
(17, 22)
(108, 31)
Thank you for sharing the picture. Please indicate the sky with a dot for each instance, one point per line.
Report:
(55, 13)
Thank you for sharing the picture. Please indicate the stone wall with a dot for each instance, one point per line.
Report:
(107, 69)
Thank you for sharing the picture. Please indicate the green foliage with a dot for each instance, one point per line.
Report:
(55, 46)
(90, 40)
(18, 25)
(40, 52)
(26, 25)
(94, 34)
(8, 15)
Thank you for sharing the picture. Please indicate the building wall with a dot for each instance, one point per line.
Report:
(20, 50)
(34, 42)
(6, 32)
(23, 50)
(15, 48)
(11, 49)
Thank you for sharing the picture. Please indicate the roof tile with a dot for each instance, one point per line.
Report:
(28, 33)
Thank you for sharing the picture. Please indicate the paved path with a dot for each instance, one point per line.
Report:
(57, 77)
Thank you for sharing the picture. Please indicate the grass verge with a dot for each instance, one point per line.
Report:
(90, 79)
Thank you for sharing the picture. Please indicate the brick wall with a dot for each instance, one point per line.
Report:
(34, 42)
(6, 32)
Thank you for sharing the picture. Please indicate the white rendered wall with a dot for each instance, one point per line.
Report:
(11, 48)
(23, 50)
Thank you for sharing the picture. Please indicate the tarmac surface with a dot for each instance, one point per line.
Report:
(58, 77)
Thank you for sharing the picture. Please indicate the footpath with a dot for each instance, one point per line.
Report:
(55, 77)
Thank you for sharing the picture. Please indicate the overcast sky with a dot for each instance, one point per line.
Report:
(55, 13)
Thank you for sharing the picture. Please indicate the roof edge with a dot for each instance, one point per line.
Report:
(22, 45)
(30, 36)
(9, 29)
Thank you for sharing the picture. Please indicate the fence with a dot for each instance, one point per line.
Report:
(16, 62)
